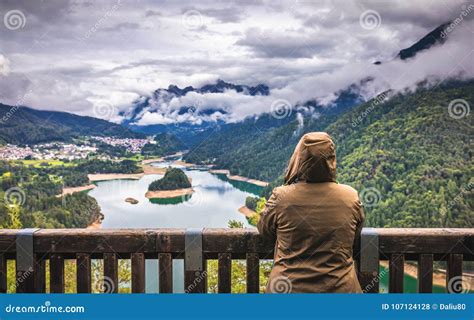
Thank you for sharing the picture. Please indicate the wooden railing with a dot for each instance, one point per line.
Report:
(32, 248)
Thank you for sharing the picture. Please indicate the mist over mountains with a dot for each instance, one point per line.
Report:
(223, 102)
(302, 52)
(178, 105)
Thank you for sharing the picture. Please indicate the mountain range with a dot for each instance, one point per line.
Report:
(160, 96)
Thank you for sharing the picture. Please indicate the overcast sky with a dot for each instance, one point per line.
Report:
(74, 55)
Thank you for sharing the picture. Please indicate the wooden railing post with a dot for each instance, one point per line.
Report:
(40, 274)
(425, 273)
(253, 273)
(83, 266)
(224, 277)
(138, 272)
(111, 282)
(56, 273)
(3, 274)
(396, 273)
(454, 273)
(165, 266)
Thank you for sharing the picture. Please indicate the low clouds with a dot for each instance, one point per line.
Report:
(74, 55)
(4, 66)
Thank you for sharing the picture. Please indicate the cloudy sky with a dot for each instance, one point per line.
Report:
(77, 55)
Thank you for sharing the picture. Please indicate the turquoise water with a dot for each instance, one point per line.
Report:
(216, 200)
(213, 203)
(409, 283)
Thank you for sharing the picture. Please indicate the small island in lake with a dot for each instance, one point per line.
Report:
(174, 184)
(131, 200)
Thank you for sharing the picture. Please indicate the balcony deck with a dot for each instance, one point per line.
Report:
(30, 248)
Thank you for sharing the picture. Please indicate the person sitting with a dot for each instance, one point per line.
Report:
(314, 222)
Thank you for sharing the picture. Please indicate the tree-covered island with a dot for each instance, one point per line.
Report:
(174, 183)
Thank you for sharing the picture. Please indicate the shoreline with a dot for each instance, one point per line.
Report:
(183, 163)
(98, 177)
(147, 161)
(226, 172)
(147, 169)
(72, 190)
(248, 213)
(94, 225)
(167, 194)
(114, 176)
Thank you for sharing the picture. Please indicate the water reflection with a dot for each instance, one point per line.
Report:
(214, 202)
(241, 185)
(175, 200)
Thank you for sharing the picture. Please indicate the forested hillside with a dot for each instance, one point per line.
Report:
(165, 144)
(28, 198)
(409, 158)
(29, 194)
(21, 125)
(232, 146)
(246, 148)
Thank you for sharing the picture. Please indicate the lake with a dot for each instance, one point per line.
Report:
(216, 200)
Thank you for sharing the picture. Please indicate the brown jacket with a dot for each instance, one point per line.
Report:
(313, 221)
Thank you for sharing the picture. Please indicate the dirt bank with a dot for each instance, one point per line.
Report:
(76, 189)
(164, 194)
(182, 163)
(147, 169)
(95, 225)
(146, 161)
(239, 178)
(114, 176)
(247, 212)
